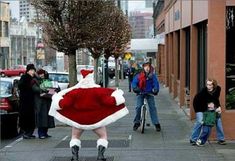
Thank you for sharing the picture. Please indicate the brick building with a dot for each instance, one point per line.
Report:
(199, 38)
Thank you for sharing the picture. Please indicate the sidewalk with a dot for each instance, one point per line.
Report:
(171, 144)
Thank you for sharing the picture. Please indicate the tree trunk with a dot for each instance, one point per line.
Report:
(106, 73)
(116, 73)
(96, 73)
(121, 69)
(72, 69)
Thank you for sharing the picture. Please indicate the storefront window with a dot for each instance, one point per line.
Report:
(230, 57)
(202, 54)
(187, 58)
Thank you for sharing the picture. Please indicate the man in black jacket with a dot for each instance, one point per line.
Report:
(208, 94)
(26, 112)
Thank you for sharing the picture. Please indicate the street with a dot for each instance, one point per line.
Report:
(171, 144)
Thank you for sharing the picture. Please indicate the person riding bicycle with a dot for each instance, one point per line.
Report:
(145, 85)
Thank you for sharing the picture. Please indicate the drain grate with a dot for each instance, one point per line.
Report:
(80, 159)
(92, 144)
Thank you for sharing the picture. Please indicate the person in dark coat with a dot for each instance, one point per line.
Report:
(42, 101)
(26, 111)
(209, 94)
(130, 73)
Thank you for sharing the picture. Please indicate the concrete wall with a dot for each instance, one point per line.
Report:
(200, 11)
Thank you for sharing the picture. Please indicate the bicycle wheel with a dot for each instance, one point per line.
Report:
(143, 115)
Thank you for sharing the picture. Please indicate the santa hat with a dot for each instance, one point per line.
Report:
(86, 72)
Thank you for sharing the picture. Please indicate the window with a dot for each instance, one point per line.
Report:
(202, 54)
(0, 28)
(178, 55)
(230, 57)
(187, 57)
(5, 29)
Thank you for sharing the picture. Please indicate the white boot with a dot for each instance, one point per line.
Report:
(75, 145)
(102, 145)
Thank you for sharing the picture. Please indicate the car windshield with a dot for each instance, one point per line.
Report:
(61, 78)
(5, 88)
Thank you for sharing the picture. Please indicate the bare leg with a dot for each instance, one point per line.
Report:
(76, 133)
(75, 143)
(101, 132)
(102, 142)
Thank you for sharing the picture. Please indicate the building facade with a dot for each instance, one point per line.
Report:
(23, 38)
(142, 24)
(27, 11)
(4, 35)
(199, 38)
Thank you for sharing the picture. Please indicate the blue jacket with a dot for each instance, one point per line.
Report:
(151, 83)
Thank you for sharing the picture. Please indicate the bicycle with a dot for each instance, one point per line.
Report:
(143, 115)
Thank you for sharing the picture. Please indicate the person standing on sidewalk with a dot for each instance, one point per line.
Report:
(26, 111)
(146, 84)
(42, 104)
(208, 94)
(87, 106)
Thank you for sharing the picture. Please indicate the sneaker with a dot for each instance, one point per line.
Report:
(192, 142)
(48, 136)
(136, 126)
(42, 137)
(221, 142)
(199, 143)
(28, 136)
(158, 127)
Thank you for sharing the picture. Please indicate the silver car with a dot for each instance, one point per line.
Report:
(61, 77)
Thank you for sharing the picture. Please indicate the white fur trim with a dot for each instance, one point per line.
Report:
(102, 142)
(108, 120)
(119, 99)
(55, 101)
(117, 94)
(75, 142)
(88, 82)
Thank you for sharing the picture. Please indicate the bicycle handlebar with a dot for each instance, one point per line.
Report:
(150, 94)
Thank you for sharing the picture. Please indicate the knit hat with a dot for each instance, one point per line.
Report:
(29, 67)
(146, 63)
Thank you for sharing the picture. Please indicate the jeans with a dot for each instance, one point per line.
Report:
(42, 131)
(198, 126)
(205, 133)
(152, 108)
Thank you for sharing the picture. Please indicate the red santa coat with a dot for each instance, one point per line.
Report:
(89, 108)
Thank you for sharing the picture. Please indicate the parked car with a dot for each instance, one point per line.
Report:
(14, 71)
(61, 77)
(9, 107)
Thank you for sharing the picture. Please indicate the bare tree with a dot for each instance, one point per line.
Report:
(72, 24)
(64, 23)
(117, 44)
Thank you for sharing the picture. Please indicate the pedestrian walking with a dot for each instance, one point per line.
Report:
(42, 99)
(146, 84)
(208, 94)
(87, 106)
(130, 73)
(26, 111)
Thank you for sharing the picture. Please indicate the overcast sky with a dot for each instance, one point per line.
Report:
(133, 5)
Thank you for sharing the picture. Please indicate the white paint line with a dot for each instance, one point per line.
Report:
(65, 138)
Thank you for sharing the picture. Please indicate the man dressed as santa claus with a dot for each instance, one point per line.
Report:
(87, 106)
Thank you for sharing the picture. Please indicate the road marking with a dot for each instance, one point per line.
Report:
(12, 144)
(65, 138)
